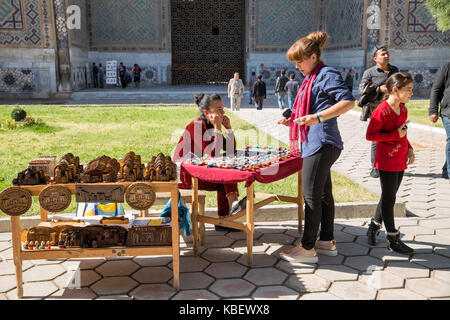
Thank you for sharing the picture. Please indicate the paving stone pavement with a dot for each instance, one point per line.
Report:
(221, 272)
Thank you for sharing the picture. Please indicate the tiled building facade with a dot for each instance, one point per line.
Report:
(41, 57)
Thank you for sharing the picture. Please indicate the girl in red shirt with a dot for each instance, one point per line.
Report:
(388, 127)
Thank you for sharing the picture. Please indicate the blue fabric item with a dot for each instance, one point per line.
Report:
(184, 216)
(328, 89)
(446, 167)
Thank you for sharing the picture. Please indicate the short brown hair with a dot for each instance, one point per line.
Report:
(303, 48)
(399, 80)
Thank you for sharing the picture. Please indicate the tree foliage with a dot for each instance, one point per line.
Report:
(440, 9)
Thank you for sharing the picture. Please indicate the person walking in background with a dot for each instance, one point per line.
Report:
(123, 75)
(235, 92)
(251, 83)
(259, 92)
(262, 69)
(101, 75)
(322, 97)
(440, 95)
(94, 75)
(349, 79)
(280, 89)
(292, 89)
(372, 90)
(388, 126)
(137, 76)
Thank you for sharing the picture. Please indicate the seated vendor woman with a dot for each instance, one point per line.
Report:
(203, 136)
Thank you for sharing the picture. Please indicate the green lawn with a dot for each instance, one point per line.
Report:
(114, 130)
(417, 113)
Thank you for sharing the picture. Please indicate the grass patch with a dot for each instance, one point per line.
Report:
(114, 130)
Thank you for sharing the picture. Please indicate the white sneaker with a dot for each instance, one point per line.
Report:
(300, 254)
(327, 248)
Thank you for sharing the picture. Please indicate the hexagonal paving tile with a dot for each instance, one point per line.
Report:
(364, 263)
(352, 249)
(381, 241)
(241, 235)
(153, 292)
(241, 246)
(191, 264)
(228, 288)
(387, 255)
(431, 288)
(336, 272)
(382, 280)
(43, 262)
(399, 294)
(114, 285)
(353, 290)
(276, 238)
(324, 260)
(407, 270)
(8, 267)
(34, 290)
(83, 263)
(195, 295)
(343, 237)
(435, 223)
(43, 273)
(217, 242)
(305, 283)
(443, 232)
(416, 230)
(443, 275)
(319, 296)
(5, 245)
(296, 267)
(7, 283)
(433, 240)
(152, 275)
(226, 270)
(115, 297)
(152, 261)
(433, 261)
(259, 260)
(269, 228)
(73, 294)
(5, 236)
(77, 278)
(117, 268)
(355, 230)
(265, 276)
(194, 280)
(220, 255)
(275, 292)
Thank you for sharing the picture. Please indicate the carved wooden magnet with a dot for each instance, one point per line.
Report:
(55, 198)
(99, 193)
(15, 201)
(140, 196)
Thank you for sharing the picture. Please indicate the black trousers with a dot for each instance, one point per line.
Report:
(317, 191)
(390, 182)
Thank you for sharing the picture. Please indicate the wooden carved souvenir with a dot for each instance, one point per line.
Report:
(149, 236)
(70, 237)
(55, 198)
(97, 236)
(47, 164)
(41, 233)
(140, 196)
(68, 169)
(132, 169)
(31, 176)
(101, 169)
(160, 168)
(15, 201)
(99, 193)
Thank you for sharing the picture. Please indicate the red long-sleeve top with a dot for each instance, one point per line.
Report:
(392, 150)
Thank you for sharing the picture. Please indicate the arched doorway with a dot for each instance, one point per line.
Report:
(208, 40)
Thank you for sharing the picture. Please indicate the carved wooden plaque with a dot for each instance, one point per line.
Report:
(55, 198)
(99, 193)
(15, 201)
(140, 196)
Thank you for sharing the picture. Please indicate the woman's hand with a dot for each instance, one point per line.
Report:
(216, 120)
(410, 157)
(401, 131)
(308, 120)
(284, 121)
(226, 122)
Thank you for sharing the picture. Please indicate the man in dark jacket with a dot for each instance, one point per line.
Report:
(349, 79)
(259, 92)
(280, 89)
(373, 85)
(440, 95)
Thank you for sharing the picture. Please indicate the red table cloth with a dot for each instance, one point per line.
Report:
(268, 174)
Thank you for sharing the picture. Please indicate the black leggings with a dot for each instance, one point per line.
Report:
(317, 191)
(390, 182)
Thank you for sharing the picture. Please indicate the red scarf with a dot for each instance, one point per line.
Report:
(301, 108)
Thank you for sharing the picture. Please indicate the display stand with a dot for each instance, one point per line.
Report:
(287, 168)
(19, 255)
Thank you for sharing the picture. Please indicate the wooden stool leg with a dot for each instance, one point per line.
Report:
(143, 213)
(202, 224)
(44, 215)
(175, 239)
(15, 230)
(250, 224)
(300, 202)
(194, 215)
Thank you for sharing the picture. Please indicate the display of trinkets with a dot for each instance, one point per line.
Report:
(160, 168)
(97, 236)
(68, 169)
(101, 169)
(132, 169)
(247, 159)
(31, 176)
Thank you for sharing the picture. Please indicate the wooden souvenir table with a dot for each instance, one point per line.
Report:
(19, 255)
(268, 174)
